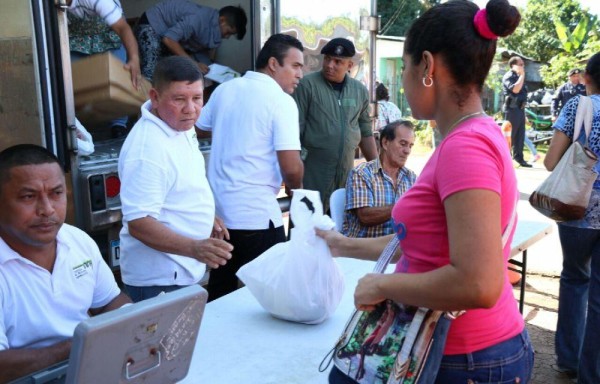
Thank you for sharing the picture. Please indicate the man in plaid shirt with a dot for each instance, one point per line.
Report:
(373, 187)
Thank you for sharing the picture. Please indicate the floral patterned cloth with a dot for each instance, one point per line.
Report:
(91, 35)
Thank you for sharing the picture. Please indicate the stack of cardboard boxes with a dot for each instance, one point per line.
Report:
(103, 91)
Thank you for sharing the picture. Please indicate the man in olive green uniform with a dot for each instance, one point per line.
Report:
(334, 120)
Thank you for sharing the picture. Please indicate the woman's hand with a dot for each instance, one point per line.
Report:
(367, 294)
(334, 240)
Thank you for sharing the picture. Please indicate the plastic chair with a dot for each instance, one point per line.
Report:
(337, 203)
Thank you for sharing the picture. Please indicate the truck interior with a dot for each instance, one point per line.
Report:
(37, 100)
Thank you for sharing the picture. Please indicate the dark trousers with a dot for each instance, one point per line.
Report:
(516, 116)
(577, 340)
(247, 245)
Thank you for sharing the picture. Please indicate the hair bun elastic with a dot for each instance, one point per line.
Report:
(482, 26)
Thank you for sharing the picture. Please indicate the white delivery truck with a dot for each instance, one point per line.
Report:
(37, 104)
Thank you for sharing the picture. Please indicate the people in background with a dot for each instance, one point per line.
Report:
(567, 91)
(374, 187)
(170, 232)
(387, 111)
(255, 147)
(451, 222)
(531, 146)
(334, 120)
(507, 128)
(185, 28)
(97, 26)
(52, 275)
(577, 340)
(515, 99)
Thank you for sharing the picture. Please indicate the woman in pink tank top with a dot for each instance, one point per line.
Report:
(451, 222)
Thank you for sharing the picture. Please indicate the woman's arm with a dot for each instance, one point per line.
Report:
(558, 146)
(355, 248)
(474, 277)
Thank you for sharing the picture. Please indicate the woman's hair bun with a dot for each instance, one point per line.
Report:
(502, 17)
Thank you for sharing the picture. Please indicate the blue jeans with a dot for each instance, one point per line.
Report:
(142, 293)
(577, 340)
(530, 145)
(498, 364)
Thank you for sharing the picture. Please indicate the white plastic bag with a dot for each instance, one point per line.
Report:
(547, 99)
(85, 143)
(298, 280)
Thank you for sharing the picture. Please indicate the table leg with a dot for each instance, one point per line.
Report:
(523, 271)
(523, 276)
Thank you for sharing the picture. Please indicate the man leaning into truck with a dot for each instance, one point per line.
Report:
(52, 275)
(185, 28)
(169, 232)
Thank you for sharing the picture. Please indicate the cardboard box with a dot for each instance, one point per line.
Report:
(103, 90)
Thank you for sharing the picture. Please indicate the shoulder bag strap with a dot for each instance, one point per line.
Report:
(386, 255)
(511, 224)
(392, 246)
(583, 117)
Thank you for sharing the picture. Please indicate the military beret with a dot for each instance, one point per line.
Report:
(574, 71)
(339, 47)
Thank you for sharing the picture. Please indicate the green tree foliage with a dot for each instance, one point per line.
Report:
(398, 15)
(536, 36)
(592, 45)
(558, 33)
(571, 42)
(577, 45)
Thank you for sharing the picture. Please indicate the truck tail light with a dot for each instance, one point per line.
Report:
(113, 186)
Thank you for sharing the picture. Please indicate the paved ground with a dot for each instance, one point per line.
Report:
(544, 265)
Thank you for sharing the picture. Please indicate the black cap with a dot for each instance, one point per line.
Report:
(339, 47)
(574, 71)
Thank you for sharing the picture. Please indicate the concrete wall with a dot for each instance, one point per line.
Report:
(17, 22)
(19, 105)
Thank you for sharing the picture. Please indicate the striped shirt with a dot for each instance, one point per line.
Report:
(369, 186)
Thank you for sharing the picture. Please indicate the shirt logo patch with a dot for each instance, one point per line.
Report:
(400, 230)
(82, 269)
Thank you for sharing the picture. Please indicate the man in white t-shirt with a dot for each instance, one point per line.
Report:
(255, 146)
(52, 275)
(169, 232)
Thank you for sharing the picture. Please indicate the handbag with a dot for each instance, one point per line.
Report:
(393, 343)
(565, 194)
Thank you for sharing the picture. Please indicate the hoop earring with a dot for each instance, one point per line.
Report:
(427, 81)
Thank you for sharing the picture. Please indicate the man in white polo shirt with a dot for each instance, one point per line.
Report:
(170, 232)
(52, 275)
(255, 146)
